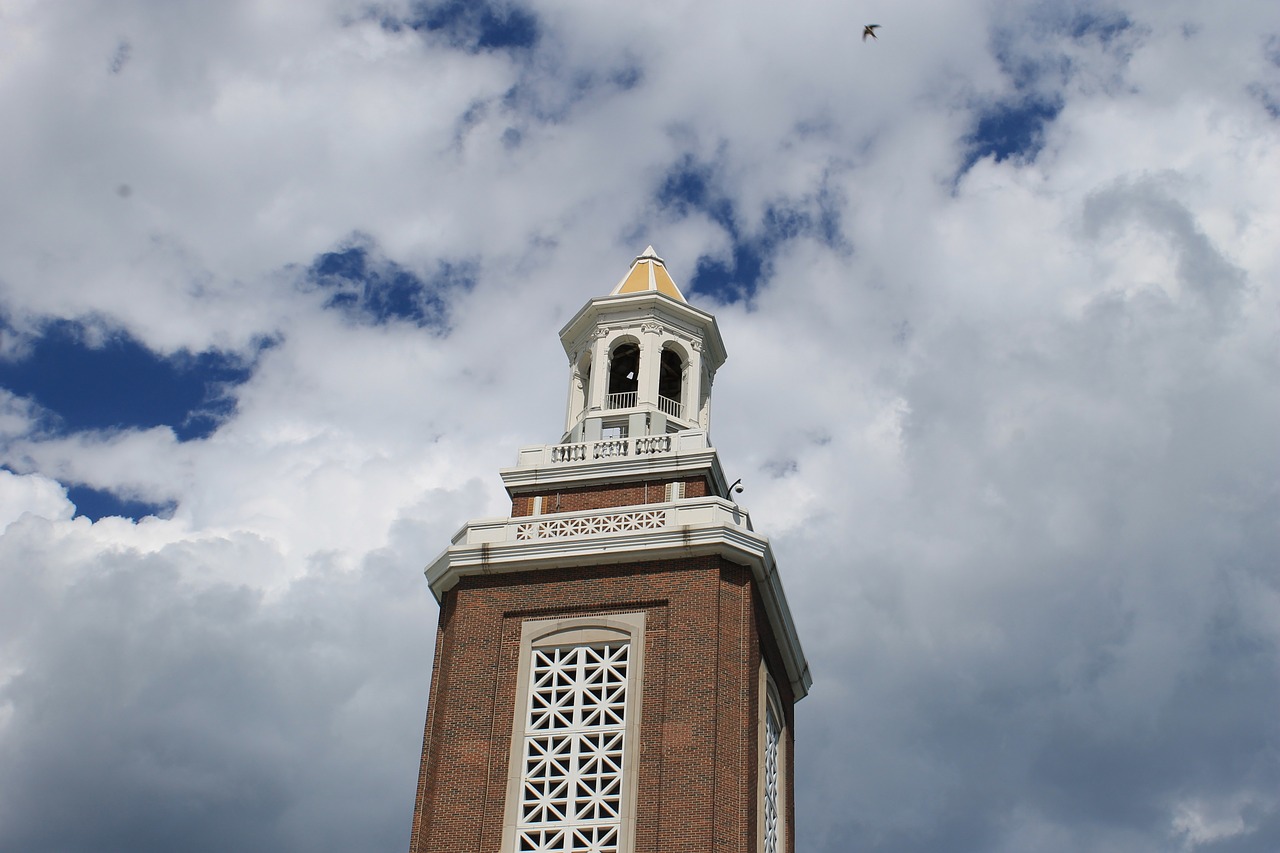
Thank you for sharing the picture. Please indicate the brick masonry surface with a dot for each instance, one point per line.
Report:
(604, 496)
(705, 633)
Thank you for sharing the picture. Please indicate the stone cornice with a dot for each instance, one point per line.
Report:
(615, 460)
(631, 307)
(618, 535)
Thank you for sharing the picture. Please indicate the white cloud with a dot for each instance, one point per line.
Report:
(1011, 431)
(32, 493)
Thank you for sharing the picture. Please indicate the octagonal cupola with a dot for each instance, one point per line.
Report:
(641, 359)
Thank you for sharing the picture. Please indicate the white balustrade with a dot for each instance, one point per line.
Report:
(623, 400)
(651, 444)
(686, 441)
(609, 448)
(568, 452)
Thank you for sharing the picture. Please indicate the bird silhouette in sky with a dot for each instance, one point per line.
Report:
(869, 30)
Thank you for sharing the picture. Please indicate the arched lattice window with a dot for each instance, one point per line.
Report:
(773, 770)
(576, 721)
(772, 746)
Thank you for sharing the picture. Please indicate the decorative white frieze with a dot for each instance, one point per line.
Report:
(591, 525)
(672, 530)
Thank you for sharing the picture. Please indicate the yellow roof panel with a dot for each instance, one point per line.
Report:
(665, 284)
(637, 280)
(648, 272)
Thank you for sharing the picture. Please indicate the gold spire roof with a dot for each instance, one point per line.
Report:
(648, 272)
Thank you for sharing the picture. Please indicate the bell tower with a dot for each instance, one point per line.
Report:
(616, 665)
(654, 359)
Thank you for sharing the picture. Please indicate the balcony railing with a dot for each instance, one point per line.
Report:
(670, 408)
(645, 445)
(623, 400)
(684, 442)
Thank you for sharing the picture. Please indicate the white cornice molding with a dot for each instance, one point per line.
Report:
(689, 454)
(609, 312)
(614, 470)
(691, 528)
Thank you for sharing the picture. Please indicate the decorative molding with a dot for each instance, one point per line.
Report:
(591, 525)
(691, 528)
(678, 454)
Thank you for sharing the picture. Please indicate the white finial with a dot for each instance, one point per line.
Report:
(649, 254)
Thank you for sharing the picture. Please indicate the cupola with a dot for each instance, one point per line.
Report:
(641, 359)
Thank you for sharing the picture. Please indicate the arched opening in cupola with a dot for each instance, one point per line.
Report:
(671, 383)
(624, 376)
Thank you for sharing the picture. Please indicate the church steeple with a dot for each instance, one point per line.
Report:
(616, 665)
(641, 359)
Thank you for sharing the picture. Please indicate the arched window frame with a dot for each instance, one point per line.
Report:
(611, 397)
(683, 401)
(773, 770)
(573, 633)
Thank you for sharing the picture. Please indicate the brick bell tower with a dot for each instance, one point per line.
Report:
(616, 665)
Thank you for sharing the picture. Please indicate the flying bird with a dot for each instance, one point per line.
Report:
(869, 30)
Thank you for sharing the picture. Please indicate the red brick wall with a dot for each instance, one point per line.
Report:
(697, 779)
(605, 496)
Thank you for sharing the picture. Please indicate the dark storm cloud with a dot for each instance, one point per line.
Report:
(158, 714)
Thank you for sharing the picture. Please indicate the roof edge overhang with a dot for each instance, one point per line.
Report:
(629, 469)
(576, 328)
(470, 556)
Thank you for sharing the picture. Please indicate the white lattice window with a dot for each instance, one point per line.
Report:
(772, 824)
(772, 739)
(573, 788)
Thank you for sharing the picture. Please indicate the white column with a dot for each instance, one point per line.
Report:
(578, 390)
(692, 400)
(599, 371)
(650, 364)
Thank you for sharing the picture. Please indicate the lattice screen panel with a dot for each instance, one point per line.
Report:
(772, 734)
(571, 788)
(612, 522)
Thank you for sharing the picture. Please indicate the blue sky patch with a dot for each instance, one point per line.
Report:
(1010, 129)
(1104, 27)
(729, 282)
(473, 25)
(96, 504)
(375, 291)
(121, 384)
(691, 187)
(1037, 68)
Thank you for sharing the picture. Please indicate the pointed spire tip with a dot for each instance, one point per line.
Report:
(649, 254)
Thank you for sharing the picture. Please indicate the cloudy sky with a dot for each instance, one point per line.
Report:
(279, 291)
